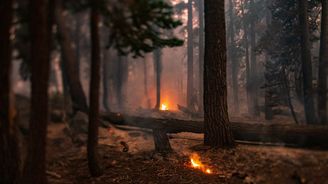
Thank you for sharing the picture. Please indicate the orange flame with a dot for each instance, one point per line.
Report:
(164, 107)
(197, 164)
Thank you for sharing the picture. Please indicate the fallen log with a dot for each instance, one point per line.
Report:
(307, 136)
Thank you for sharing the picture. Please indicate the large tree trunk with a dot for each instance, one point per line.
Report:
(253, 71)
(308, 136)
(9, 153)
(201, 54)
(93, 157)
(216, 121)
(323, 60)
(70, 62)
(306, 63)
(234, 62)
(190, 59)
(158, 72)
(35, 168)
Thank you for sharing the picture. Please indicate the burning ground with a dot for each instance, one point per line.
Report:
(67, 162)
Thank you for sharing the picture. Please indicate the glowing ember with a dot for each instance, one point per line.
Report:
(197, 164)
(164, 107)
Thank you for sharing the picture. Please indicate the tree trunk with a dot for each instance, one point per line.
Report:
(9, 151)
(70, 62)
(158, 71)
(267, 94)
(145, 69)
(105, 75)
(306, 63)
(190, 59)
(323, 60)
(201, 54)
(216, 121)
(248, 75)
(253, 67)
(161, 141)
(93, 157)
(234, 62)
(35, 168)
(308, 136)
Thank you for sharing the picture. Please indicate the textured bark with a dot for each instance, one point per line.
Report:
(253, 67)
(323, 60)
(158, 72)
(190, 59)
(216, 121)
(70, 62)
(162, 143)
(234, 62)
(35, 168)
(93, 157)
(9, 152)
(308, 136)
(306, 63)
(201, 54)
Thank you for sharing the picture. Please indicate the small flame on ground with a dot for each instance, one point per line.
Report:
(197, 164)
(164, 107)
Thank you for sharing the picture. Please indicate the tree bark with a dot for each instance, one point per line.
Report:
(306, 63)
(201, 54)
(9, 151)
(161, 140)
(190, 59)
(307, 136)
(216, 121)
(145, 69)
(70, 62)
(93, 157)
(35, 168)
(253, 67)
(267, 94)
(234, 62)
(323, 60)
(248, 75)
(105, 75)
(158, 71)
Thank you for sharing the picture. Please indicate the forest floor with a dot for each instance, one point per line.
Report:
(67, 163)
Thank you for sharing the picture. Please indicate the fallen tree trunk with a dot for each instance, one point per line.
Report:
(307, 136)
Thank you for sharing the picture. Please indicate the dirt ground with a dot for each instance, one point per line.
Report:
(67, 163)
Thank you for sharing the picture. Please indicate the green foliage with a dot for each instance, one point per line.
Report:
(139, 26)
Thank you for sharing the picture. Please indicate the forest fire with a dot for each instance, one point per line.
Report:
(197, 164)
(164, 107)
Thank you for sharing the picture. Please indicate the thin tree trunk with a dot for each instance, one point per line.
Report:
(306, 63)
(70, 62)
(93, 157)
(323, 60)
(216, 121)
(158, 71)
(35, 168)
(190, 62)
(234, 63)
(253, 72)
(248, 75)
(145, 69)
(201, 54)
(267, 94)
(105, 75)
(9, 151)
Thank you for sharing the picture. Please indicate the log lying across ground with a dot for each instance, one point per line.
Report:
(307, 136)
